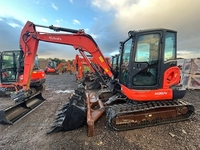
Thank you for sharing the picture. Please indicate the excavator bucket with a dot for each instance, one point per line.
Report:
(71, 115)
(14, 113)
(79, 111)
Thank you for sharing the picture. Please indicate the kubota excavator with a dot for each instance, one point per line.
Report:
(53, 69)
(93, 81)
(80, 64)
(147, 93)
(12, 67)
(8, 65)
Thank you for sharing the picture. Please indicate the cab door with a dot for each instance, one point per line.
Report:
(8, 66)
(140, 61)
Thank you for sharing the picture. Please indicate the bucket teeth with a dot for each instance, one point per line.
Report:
(65, 106)
(71, 115)
(55, 129)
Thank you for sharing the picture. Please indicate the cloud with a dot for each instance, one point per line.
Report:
(14, 25)
(10, 36)
(71, 1)
(56, 8)
(44, 20)
(94, 36)
(75, 22)
(10, 33)
(86, 30)
(126, 15)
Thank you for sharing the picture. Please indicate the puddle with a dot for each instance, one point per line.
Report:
(65, 91)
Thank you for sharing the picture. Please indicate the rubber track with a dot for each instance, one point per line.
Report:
(128, 108)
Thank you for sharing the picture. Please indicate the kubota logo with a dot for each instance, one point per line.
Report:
(160, 93)
(55, 38)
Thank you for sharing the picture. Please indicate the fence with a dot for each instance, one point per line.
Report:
(190, 72)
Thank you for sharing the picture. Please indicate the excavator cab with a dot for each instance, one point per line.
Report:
(146, 57)
(10, 66)
(52, 64)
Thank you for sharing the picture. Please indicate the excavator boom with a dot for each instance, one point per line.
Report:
(30, 38)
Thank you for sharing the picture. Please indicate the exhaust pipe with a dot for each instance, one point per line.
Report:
(14, 113)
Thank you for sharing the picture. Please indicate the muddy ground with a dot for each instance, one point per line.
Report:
(30, 132)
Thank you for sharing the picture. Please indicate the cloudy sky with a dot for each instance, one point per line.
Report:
(107, 21)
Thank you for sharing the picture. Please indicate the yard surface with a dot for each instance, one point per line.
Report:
(30, 132)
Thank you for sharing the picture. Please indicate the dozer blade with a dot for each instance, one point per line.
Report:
(14, 113)
(71, 115)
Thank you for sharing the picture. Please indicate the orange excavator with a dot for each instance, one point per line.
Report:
(80, 64)
(69, 67)
(54, 69)
(8, 67)
(89, 76)
(147, 92)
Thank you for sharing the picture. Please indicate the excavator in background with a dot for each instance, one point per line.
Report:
(80, 65)
(85, 72)
(12, 67)
(147, 92)
(53, 69)
(69, 68)
(8, 73)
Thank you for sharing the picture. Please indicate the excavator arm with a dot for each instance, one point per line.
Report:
(30, 38)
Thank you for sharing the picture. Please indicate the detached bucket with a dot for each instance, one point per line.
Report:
(72, 115)
(18, 111)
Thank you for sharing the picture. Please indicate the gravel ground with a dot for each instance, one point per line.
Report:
(30, 132)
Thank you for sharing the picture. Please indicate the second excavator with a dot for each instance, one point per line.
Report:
(146, 93)
(53, 68)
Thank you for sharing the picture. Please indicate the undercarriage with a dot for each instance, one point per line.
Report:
(132, 116)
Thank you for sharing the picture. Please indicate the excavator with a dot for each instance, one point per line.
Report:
(89, 76)
(53, 69)
(80, 64)
(69, 67)
(12, 66)
(147, 92)
(8, 65)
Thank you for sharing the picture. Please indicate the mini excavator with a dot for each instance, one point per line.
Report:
(8, 66)
(80, 63)
(12, 75)
(147, 91)
(90, 76)
(53, 69)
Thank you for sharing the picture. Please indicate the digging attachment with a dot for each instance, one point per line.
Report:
(20, 110)
(71, 115)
